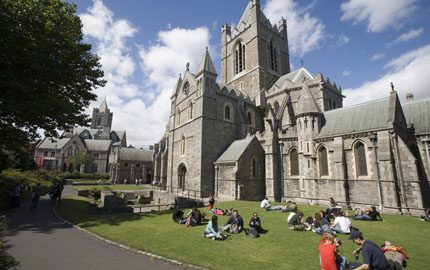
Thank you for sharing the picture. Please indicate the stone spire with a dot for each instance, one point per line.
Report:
(178, 85)
(206, 65)
(307, 104)
(103, 107)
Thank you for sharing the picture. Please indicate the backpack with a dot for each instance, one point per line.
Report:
(252, 232)
(234, 229)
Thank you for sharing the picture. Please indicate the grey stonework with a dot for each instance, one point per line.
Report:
(377, 152)
(53, 154)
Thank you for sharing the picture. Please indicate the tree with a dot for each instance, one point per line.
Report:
(47, 72)
(80, 157)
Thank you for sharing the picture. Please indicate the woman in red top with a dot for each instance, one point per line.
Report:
(330, 260)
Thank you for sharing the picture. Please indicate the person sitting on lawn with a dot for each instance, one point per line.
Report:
(178, 215)
(255, 228)
(321, 224)
(370, 214)
(341, 224)
(329, 253)
(234, 223)
(296, 222)
(211, 230)
(373, 257)
(292, 214)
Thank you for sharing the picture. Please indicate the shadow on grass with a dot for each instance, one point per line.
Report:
(77, 210)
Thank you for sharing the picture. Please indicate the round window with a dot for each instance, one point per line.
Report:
(137, 165)
(125, 165)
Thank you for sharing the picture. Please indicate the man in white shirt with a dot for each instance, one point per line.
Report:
(265, 203)
(342, 224)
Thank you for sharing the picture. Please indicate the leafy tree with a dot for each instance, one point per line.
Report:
(47, 72)
(80, 157)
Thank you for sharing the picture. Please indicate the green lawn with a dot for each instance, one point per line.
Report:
(279, 249)
(113, 187)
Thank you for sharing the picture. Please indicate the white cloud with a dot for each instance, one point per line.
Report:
(408, 72)
(414, 33)
(342, 40)
(141, 109)
(377, 56)
(379, 15)
(305, 33)
(346, 72)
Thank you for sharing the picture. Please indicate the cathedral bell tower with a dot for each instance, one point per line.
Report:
(102, 119)
(255, 53)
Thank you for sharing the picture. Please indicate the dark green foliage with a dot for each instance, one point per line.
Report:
(6, 260)
(47, 73)
(84, 176)
(28, 179)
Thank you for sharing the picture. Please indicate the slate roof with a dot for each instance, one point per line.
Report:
(207, 64)
(358, 118)
(418, 114)
(306, 102)
(98, 145)
(292, 78)
(235, 150)
(93, 131)
(135, 154)
(56, 144)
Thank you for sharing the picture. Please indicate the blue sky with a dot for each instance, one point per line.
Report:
(362, 45)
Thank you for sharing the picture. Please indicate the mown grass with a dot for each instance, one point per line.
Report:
(113, 187)
(280, 248)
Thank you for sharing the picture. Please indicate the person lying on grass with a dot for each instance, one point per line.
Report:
(211, 230)
(234, 224)
(370, 214)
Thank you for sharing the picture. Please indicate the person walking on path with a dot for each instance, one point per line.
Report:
(35, 196)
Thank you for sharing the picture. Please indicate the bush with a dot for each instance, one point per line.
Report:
(27, 179)
(96, 192)
(87, 176)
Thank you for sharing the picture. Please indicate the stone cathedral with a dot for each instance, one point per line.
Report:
(264, 130)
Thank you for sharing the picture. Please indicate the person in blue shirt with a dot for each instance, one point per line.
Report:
(373, 257)
(234, 223)
(211, 230)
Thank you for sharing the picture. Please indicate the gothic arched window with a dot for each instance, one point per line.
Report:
(239, 58)
(276, 107)
(323, 161)
(294, 162)
(273, 56)
(99, 122)
(360, 159)
(227, 112)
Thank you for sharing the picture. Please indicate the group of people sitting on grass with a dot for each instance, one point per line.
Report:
(234, 225)
(193, 218)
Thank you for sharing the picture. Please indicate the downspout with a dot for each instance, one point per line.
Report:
(373, 138)
(281, 144)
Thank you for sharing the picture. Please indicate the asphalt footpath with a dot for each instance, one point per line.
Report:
(39, 240)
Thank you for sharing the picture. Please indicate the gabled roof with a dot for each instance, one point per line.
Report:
(358, 118)
(178, 85)
(134, 154)
(93, 131)
(53, 143)
(418, 114)
(235, 150)
(206, 65)
(292, 78)
(98, 145)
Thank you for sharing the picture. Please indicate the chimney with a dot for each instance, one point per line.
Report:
(409, 97)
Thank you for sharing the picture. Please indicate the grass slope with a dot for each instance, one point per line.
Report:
(279, 249)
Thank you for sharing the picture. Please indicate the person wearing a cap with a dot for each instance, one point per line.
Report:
(373, 257)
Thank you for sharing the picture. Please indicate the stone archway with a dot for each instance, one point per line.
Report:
(182, 171)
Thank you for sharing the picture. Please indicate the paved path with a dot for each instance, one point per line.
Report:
(40, 241)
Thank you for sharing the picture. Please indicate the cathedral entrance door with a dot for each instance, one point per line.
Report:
(182, 170)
